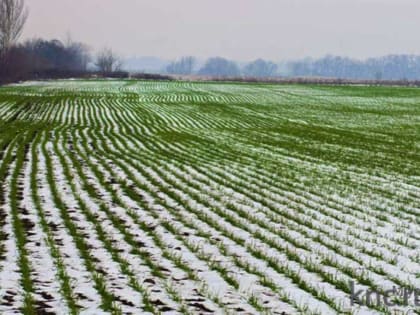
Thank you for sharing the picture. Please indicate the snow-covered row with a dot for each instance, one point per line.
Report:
(125, 197)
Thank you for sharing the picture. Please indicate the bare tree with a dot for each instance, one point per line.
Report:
(79, 54)
(220, 67)
(184, 66)
(107, 61)
(260, 68)
(13, 15)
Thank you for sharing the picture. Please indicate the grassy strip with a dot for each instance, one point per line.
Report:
(7, 160)
(291, 254)
(64, 278)
(134, 195)
(99, 280)
(19, 230)
(102, 235)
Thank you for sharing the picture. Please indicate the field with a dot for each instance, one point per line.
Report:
(128, 197)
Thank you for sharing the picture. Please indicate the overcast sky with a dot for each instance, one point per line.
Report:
(238, 29)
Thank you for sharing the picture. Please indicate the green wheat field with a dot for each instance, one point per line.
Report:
(132, 197)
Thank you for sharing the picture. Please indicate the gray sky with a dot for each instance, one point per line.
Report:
(238, 29)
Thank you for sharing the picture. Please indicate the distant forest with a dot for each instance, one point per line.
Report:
(44, 59)
(392, 67)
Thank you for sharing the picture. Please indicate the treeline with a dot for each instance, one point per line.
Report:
(40, 58)
(391, 68)
(36, 58)
(45, 59)
(52, 59)
(306, 80)
(221, 67)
